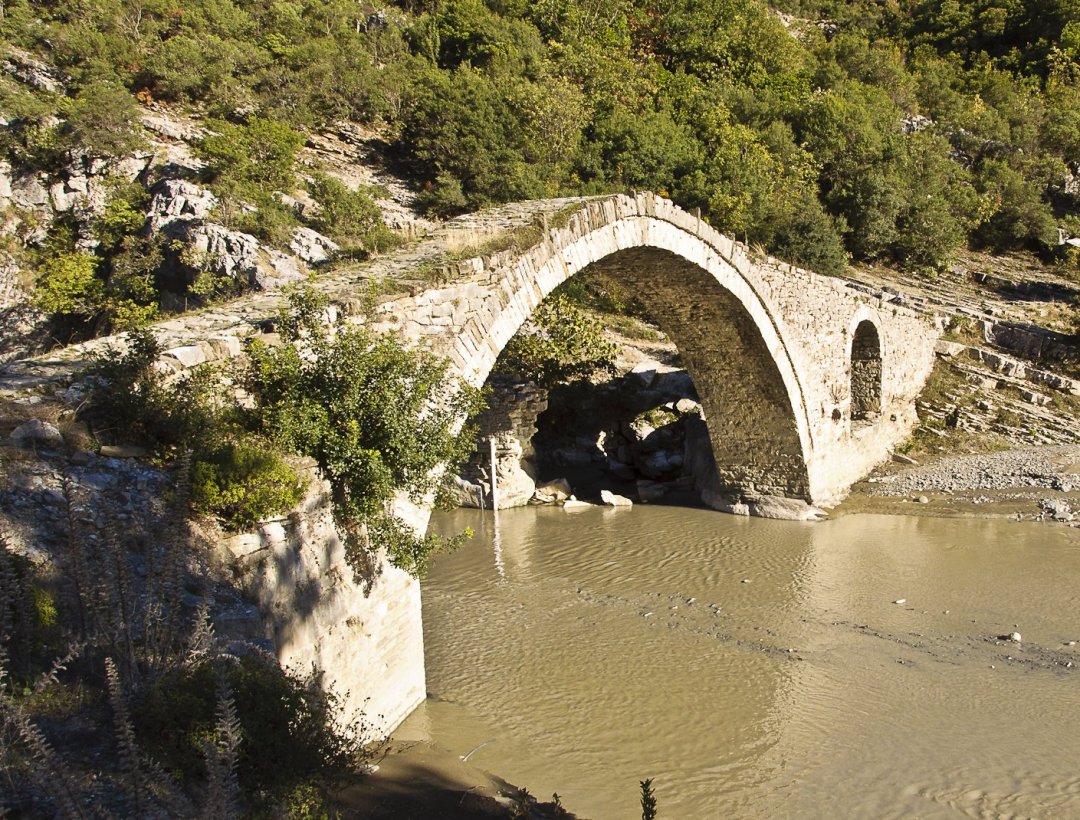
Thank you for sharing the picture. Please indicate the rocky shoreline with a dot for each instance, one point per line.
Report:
(1029, 484)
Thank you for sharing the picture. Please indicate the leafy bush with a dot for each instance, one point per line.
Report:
(378, 418)
(101, 121)
(132, 402)
(259, 154)
(289, 732)
(352, 218)
(563, 342)
(243, 483)
(68, 285)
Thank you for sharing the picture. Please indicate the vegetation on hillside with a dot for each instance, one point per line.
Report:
(118, 700)
(894, 131)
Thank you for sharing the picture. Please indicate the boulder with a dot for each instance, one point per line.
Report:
(558, 488)
(674, 383)
(684, 406)
(178, 199)
(638, 430)
(312, 246)
(122, 451)
(613, 500)
(621, 469)
(278, 269)
(28, 191)
(466, 494)
(657, 465)
(573, 504)
(36, 433)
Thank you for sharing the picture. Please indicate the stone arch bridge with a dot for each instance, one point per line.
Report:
(806, 382)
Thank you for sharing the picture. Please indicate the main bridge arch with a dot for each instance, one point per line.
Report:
(729, 343)
(769, 346)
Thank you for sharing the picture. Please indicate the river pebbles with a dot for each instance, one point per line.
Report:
(991, 471)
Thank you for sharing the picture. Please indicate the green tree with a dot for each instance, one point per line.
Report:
(378, 418)
(259, 155)
(68, 285)
(244, 482)
(102, 121)
(349, 216)
(561, 342)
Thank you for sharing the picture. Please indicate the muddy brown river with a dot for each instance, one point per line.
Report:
(760, 668)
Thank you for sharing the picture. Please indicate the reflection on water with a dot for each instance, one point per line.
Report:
(760, 668)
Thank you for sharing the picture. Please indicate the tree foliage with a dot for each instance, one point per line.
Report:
(562, 342)
(895, 131)
(378, 418)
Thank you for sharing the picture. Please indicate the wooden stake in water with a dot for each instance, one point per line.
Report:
(494, 476)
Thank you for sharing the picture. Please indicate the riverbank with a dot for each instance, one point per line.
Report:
(1030, 484)
(420, 780)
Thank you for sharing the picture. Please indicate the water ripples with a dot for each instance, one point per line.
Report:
(759, 668)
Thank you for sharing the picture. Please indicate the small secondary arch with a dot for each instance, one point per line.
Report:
(866, 372)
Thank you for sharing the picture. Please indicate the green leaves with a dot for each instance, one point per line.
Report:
(68, 285)
(563, 343)
(101, 122)
(260, 154)
(349, 217)
(243, 483)
(378, 418)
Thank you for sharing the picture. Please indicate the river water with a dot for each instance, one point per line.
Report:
(760, 668)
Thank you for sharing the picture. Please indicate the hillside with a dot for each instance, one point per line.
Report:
(826, 132)
(170, 169)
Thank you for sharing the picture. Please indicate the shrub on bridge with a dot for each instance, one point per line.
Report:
(243, 483)
(378, 418)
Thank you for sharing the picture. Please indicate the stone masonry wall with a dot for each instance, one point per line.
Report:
(367, 642)
(513, 408)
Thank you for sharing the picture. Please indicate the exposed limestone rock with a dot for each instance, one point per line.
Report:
(312, 246)
(559, 489)
(232, 254)
(122, 451)
(5, 182)
(35, 73)
(36, 433)
(513, 408)
(612, 500)
(649, 491)
(172, 126)
(467, 494)
(790, 509)
(574, 504)
(29, 191)
(10, 291)
(176, 199)
(279, 269)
